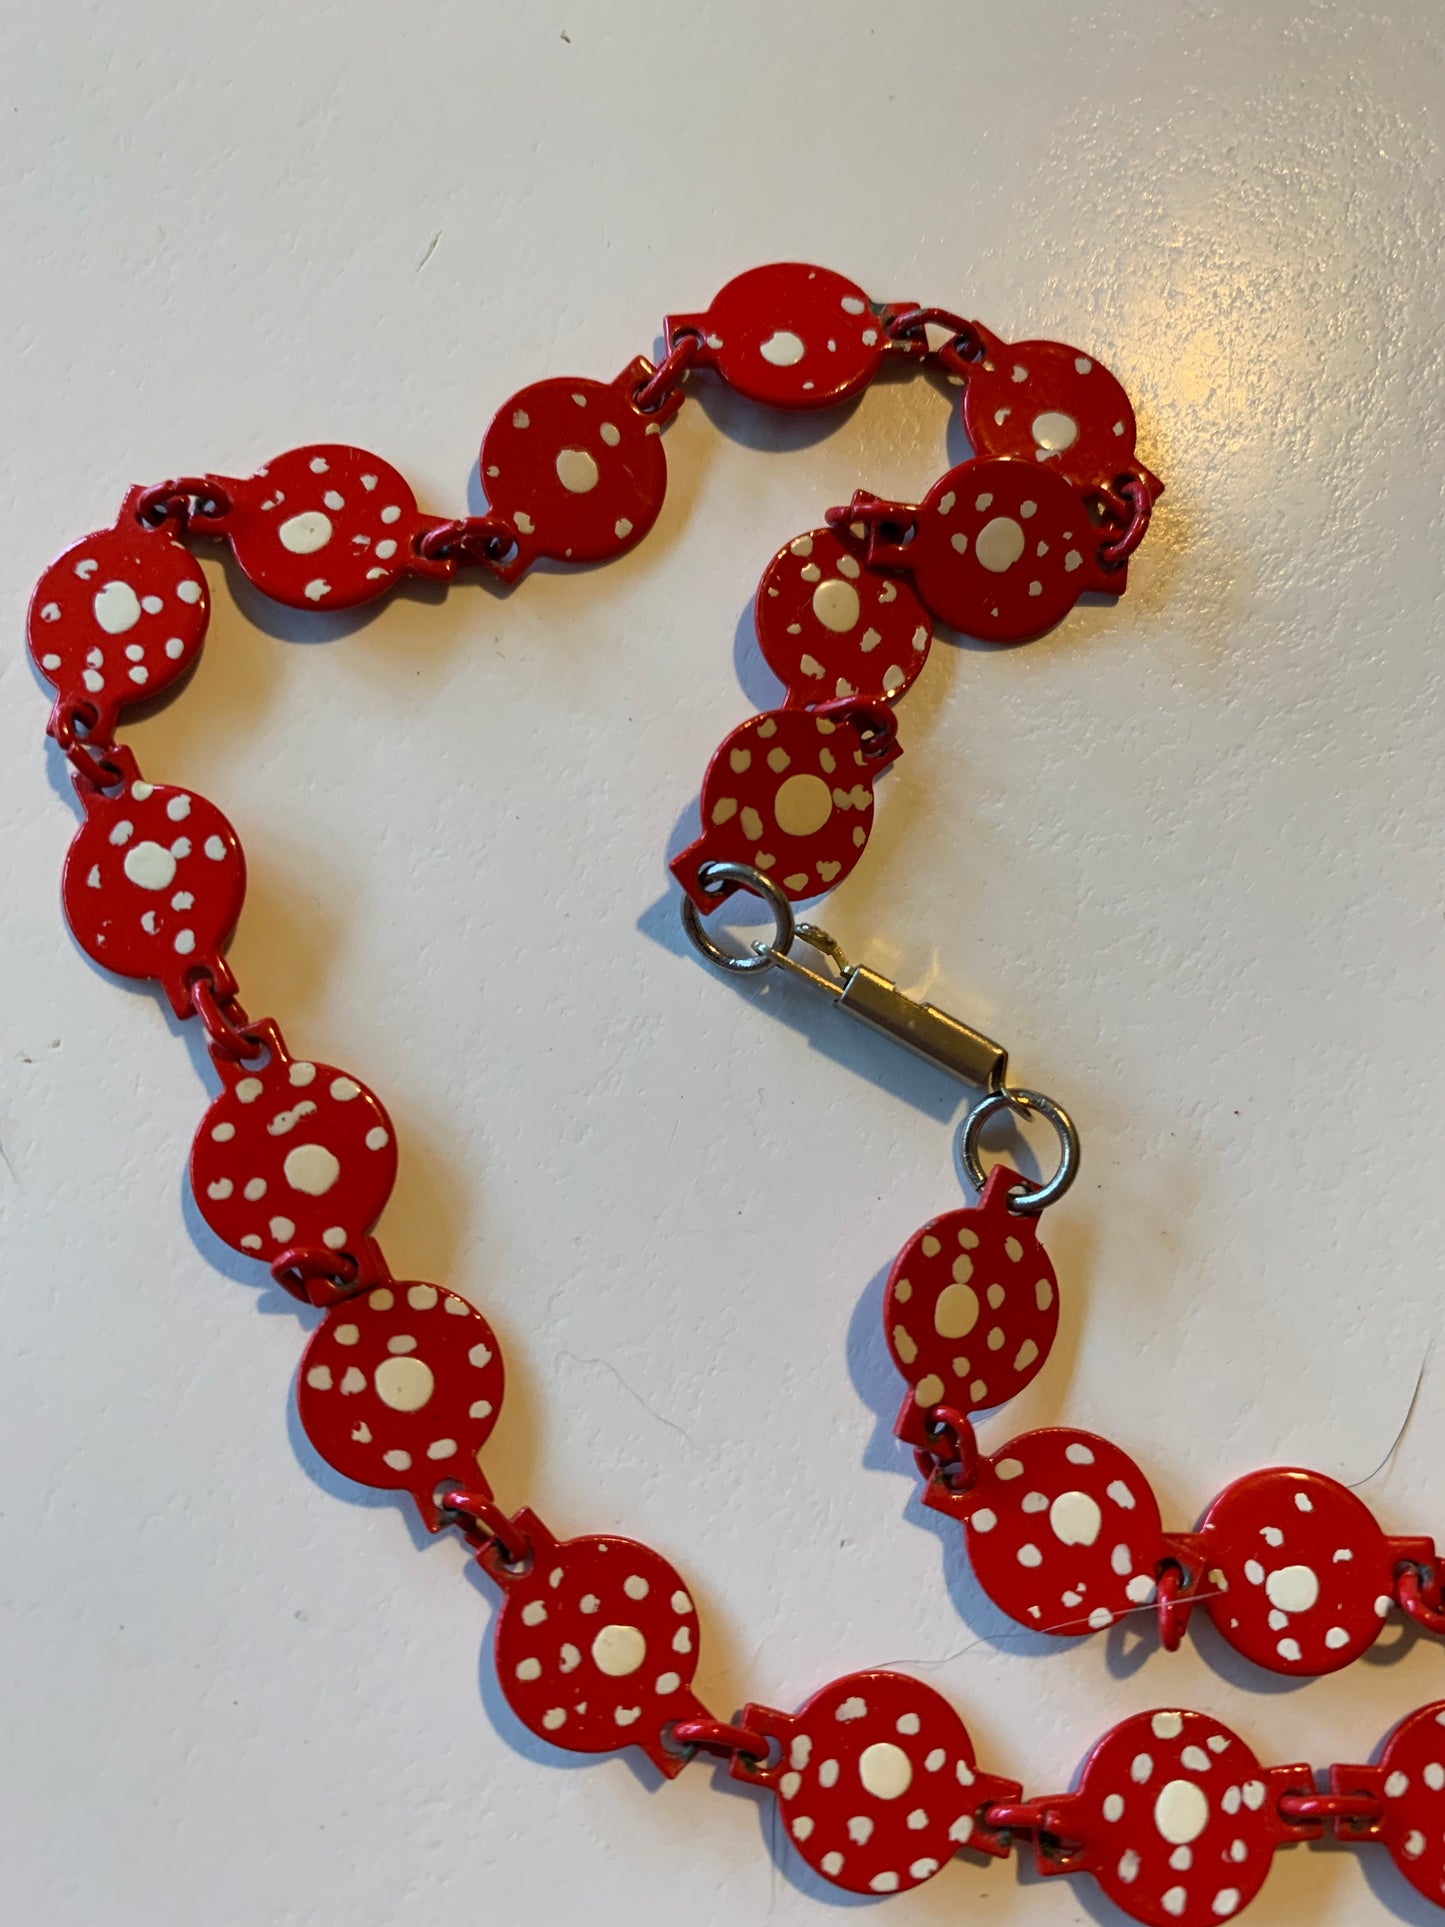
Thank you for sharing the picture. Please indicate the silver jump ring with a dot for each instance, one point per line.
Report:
(1029, 1199)
(762, 956)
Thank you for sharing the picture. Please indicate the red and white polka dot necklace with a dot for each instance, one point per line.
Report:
(400, 1385)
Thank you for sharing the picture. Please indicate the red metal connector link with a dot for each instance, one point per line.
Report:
(229, 1031)
(669, 374)
(1328, 1807)
(906, 326)
(1135, 506)
(179, 500)
(717, 1736)
(1173, 1602)
(483, 1522)
(483, 541)
(1422, 1606)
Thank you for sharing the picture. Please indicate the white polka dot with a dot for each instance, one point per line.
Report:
(405, 1384)
(885, 1770)
(304, 534)
(836, 605)
(311, 1169)
(782, 348)
(116, 608)
(1181, 1811)
(1054, 432)
(150, 866)
(1075, 1518)
(1293, 1589)
(999, 544)
(635, 1586)
(576, 470)
(618, 1650)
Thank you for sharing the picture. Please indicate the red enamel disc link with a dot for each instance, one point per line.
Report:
(401, 1384)
(1062, 1529)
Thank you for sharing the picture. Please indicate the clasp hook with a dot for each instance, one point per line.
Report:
(860, 992)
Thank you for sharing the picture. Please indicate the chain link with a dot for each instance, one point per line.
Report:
(482, 1523)
(181, 499)
(669, 374)
(482, 541)
(1133, 505)
(717, 1736)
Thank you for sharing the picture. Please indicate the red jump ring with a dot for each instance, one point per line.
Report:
(876, 723)
(1410, 1598)
(1113, 555)
(908, 325)
(1173, 1606)
(716, 1736)
(483, 1521)
(484, 541)
(668, 373)
(1329, 1806)
(1021, 1816)
(229, 1031)
(178, 500)
(96, 763)
(958, 1445)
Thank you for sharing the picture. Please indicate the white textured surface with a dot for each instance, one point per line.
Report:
(1179, 854)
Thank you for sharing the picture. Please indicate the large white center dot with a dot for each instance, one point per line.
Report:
(956, 1311)
(150, 865)
(1075, 1518)
(619, 1650)
(576, 470)
(885, 1770)
(117, 608)
(782, 348)
(802, 805)
(1181, 1812)
(836, 605)
(999, 544)
(1293, 1589)
(1054, 432)
(306, 533)
(405, 1384)
(311, 1168)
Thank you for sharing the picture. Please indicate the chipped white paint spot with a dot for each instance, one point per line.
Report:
(782, 348)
